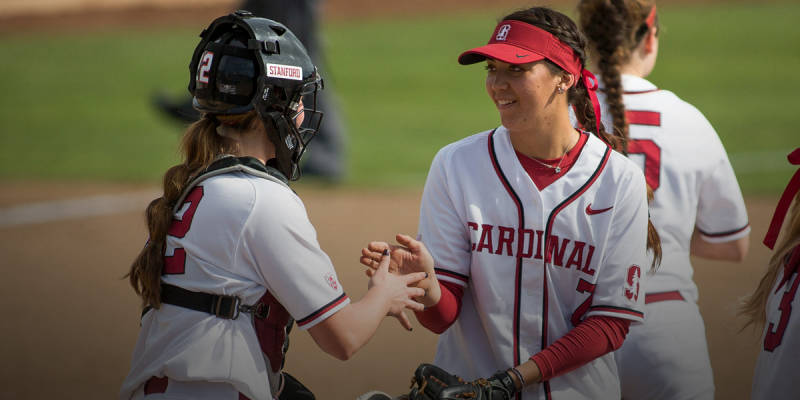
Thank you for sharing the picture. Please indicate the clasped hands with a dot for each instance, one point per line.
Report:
(409, 259)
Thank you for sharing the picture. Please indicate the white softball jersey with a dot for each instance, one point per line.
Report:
(777, 376)
(534, 263)
(686, 165)
(242, 235)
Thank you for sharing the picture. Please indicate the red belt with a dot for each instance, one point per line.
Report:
(159, 385)
(663, 296)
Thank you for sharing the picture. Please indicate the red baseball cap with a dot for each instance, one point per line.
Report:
(517, 42)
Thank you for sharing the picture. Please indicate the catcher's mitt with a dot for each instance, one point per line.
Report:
(433, 383)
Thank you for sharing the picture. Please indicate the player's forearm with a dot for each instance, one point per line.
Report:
(344, 333)
(529, 372)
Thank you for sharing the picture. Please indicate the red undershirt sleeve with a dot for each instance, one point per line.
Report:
(592, 338)
(439, 317)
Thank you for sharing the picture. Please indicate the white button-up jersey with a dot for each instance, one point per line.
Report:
(534, 262)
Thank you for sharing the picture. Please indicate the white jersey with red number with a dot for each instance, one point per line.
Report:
(777, 376)
(692, 179)
(485, 223)
(242, 235)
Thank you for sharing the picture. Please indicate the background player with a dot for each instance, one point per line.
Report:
(776, 302)
(697, 209)
(538, 232)
(232, 258)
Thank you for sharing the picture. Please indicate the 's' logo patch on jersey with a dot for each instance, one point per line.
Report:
(632, 283)
(332, 282)
(285, 72)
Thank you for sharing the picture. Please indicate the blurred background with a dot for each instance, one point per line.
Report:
(82, 150)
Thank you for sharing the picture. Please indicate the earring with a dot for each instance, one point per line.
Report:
(560, 90)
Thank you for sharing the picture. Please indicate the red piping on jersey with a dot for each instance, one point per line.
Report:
(451, 274)
(617, 310)
(640, 117)
(721, 234)
(548, 228)
(643, 91)
(518, 272)
(663, 296)
(323, 310)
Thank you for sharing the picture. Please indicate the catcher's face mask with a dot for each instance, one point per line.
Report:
(243, 63)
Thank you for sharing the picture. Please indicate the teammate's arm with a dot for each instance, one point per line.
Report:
(734, 250)
(346, 331)
(721, 226)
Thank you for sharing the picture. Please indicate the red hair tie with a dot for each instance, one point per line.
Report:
(590, 81)
(651, 18)
(783, 204)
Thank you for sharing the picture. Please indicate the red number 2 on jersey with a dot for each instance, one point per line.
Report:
(774, 334)
(176, 263)
(646, 147)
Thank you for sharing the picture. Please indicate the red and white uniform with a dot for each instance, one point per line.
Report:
(243, 235)
(485, 223)
(777, 376)
(694, 186)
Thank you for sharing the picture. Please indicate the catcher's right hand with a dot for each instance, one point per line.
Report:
(433, 383)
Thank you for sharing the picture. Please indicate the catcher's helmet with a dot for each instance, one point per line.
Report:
(243, 63)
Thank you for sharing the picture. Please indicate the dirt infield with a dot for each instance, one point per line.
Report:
(72, 322)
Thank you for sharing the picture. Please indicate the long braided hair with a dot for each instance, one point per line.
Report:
(613, 29)
(565, 30)
(200, 146)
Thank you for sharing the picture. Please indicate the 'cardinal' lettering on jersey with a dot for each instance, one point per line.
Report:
(507, 241)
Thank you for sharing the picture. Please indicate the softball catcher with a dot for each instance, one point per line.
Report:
(232, 261)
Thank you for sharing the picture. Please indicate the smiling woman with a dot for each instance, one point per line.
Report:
(530, 210)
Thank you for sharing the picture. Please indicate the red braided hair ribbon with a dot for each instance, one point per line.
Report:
(783, 204)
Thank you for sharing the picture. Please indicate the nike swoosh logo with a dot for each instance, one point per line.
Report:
(523, 56)
(593, 212)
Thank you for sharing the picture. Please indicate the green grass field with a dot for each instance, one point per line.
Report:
(76, 106)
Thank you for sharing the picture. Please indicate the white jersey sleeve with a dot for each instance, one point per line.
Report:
(721, 212)
(283, 244)
(620, 284)
(441, 227)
